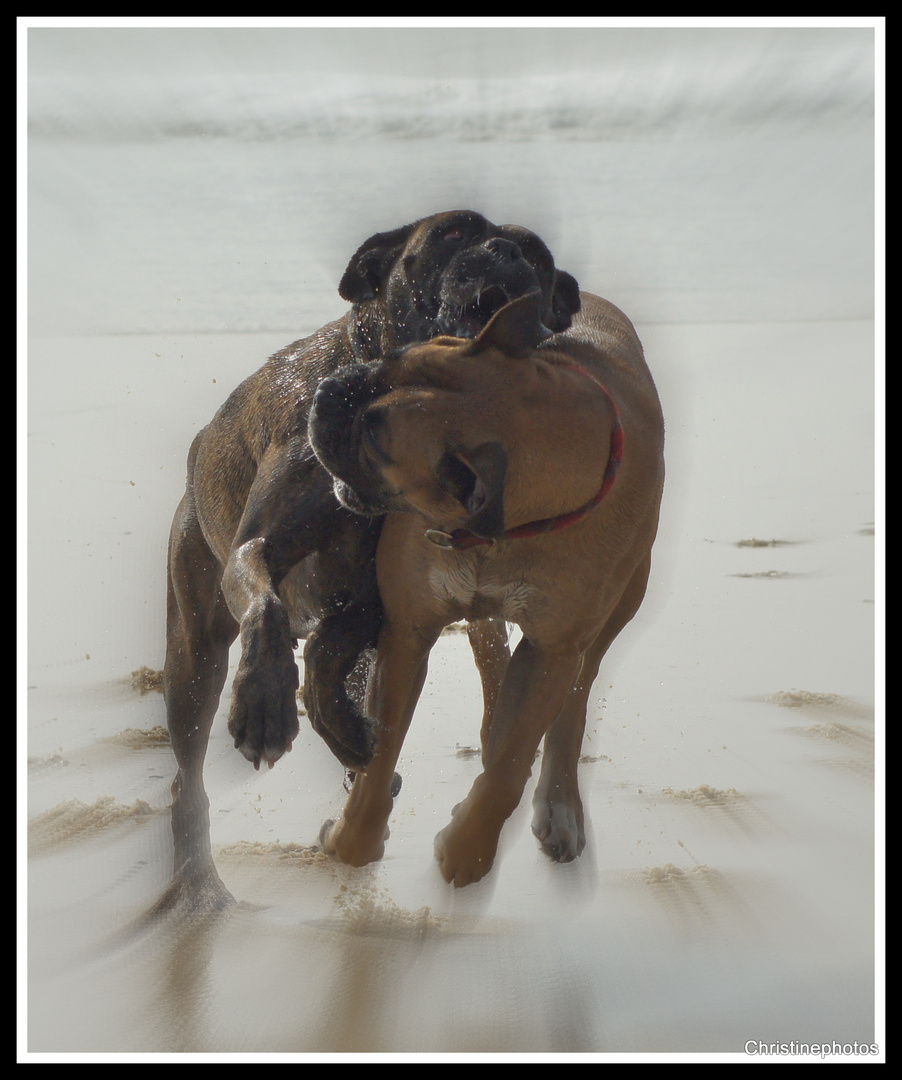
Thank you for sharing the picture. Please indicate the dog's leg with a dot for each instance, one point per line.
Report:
(534, 689)
(558, 821)
(290, 512)
(331, 653)
(488, 640)
(199, 632)
(358, 836)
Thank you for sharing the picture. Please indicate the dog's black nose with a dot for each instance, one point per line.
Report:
(330, 395)
(333, 406)
(504, 249)
(348, 385)
(329, 387)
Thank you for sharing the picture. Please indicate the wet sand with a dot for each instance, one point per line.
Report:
(727, 890)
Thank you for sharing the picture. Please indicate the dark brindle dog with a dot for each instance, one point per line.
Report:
(260, 546)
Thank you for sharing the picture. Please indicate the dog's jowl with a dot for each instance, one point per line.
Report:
(260, 547)
(521, 476)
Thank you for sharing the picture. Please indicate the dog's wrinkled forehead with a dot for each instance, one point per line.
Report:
(456, 227)
(465, 228)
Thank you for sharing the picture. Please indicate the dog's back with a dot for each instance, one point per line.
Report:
(612, 341)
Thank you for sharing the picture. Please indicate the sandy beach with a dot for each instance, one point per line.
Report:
(725, 904)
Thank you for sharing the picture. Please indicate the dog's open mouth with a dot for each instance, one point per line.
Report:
(466, 318)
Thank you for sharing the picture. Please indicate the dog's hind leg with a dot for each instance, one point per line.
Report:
(198, 635)
(558, 820)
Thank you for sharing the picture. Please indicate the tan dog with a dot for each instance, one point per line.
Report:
(522, 478)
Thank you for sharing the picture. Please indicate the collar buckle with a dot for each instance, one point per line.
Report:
(440, 539)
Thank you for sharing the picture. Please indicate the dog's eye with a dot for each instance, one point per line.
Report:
(456, 477)
(453, 235)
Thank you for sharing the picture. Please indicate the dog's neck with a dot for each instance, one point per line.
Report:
(373, 336)
(366, 335)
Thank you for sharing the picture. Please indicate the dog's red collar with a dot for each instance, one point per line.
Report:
(462, 539)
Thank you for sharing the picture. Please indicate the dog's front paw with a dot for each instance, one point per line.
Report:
(342, 842)
(465, 850)
(334, 662)
(559, 829)
(263, 718)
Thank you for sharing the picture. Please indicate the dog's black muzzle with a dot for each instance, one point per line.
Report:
(337, 401)
(479, 282)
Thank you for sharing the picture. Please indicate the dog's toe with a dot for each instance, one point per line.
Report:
(465, 849)
(263, 719)
(559, 831)
(343, 842)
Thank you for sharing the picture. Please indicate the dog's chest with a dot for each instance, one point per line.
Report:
(470, 589)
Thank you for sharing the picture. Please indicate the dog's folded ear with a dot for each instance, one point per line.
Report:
(476, 479)
(371, 264)
(565, 301)
(515, 330)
